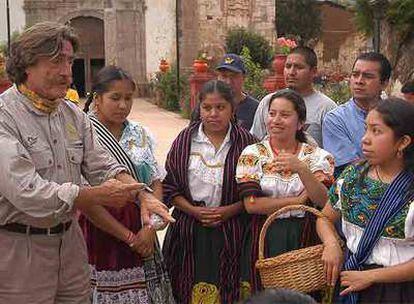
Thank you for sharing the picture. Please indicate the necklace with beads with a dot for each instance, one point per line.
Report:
(382, 179)
(276, 151)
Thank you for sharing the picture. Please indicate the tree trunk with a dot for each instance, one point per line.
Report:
(398, 49)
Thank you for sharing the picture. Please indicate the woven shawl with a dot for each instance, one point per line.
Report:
(180, 236)
(107, 140)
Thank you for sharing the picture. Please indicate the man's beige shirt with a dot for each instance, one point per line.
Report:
(42, 158)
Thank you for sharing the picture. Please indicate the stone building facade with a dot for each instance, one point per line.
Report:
(204, 24)
(136, 34)
(111, 32)
(340, 42)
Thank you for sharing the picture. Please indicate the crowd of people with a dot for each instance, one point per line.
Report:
(80, 190)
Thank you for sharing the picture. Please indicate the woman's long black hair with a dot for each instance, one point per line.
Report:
(103, 81)
(210, 87)
(398, 114)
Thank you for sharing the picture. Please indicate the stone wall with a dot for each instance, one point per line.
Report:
(340, 42)
(160, 33)
(124, 29)
(206, 22)
(138, 33)
(17, 18)
(349, 49)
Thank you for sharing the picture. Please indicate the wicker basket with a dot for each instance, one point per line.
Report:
(300, 270)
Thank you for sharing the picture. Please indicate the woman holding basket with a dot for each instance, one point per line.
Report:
(279, 171)
(375, 199)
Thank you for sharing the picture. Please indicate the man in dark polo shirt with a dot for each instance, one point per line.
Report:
(232, 71)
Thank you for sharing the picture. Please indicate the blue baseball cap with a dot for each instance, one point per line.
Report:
(232, 62)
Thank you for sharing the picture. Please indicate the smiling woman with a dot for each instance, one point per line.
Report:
(279, 171)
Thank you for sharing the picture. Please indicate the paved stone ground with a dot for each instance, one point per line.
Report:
(164, 125)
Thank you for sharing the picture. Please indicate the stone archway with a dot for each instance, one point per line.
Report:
(94, 13)
(117, 29)
(91, 55)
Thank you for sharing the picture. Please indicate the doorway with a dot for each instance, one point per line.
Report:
(96, 65)
(91, 53)
(78, 72)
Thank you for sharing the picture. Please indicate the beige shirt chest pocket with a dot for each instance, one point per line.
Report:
(75, 158)
(43, 161)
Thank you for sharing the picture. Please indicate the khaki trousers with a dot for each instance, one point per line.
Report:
(42, 269)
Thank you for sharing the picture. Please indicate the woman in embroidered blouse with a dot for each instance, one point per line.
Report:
(279, 171)
(375, 200)
(202, 248)
(125, 260)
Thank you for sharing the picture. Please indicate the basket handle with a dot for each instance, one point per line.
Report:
(274, 216)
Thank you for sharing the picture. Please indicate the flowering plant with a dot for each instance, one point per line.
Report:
(204, 56)
(284, 45)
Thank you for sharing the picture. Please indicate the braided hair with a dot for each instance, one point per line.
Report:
(103, 80)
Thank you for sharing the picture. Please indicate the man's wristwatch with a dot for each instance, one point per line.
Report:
(146, 188)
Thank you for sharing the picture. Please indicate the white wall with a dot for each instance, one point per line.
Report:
(160, 33)
(17, 17)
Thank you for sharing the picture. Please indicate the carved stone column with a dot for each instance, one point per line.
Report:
(238, 13)
(125, 43)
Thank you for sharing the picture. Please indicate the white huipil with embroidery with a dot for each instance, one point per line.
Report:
(206, 168)
(275, 184)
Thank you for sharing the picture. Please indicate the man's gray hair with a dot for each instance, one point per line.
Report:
(41, 40)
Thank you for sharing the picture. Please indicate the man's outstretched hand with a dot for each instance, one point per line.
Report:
(149, 205)
(117, 194)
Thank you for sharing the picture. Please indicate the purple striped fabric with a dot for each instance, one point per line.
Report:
(179, 238)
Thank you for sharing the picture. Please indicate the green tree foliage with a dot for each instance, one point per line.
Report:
(3, 44)
(299, 18)
(398, 13)
(166, 83)
(239, 37)
(364, 17)
(253, 83)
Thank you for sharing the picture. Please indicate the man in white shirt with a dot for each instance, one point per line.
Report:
(300, 70)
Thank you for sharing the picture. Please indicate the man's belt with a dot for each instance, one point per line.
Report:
(27, 229)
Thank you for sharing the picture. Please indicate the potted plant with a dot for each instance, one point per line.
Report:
(164, 65)
(200, 64)
(283, 48)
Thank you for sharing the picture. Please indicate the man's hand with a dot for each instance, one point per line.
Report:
(114, 193)
(149, 205)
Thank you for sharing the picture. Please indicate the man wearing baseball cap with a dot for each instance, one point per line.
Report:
(232, 71)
